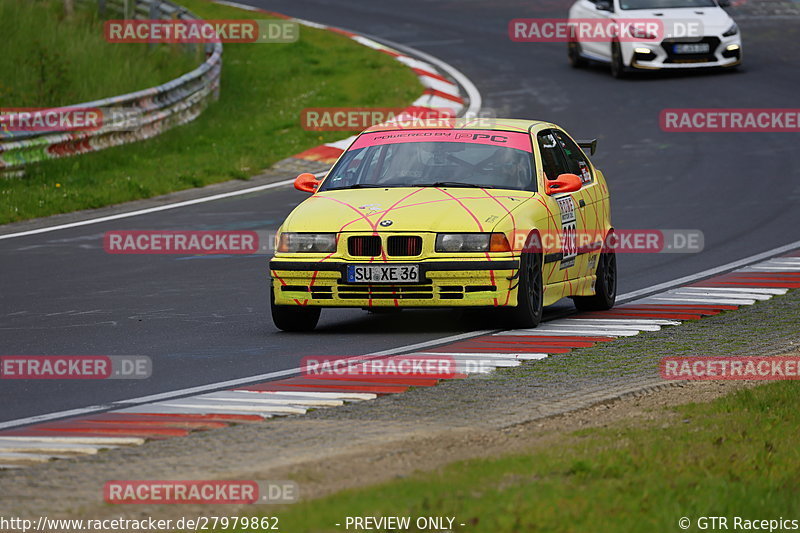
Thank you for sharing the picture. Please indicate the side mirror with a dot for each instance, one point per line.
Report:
(604, 5)
(306, 182)
(564, 183)
(724, 3)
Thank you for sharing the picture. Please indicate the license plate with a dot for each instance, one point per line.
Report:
(382, 273)
(698, 48)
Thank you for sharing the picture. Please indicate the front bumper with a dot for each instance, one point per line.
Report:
(724, 52)
(443, 283)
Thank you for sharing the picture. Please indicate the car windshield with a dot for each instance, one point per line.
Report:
(451, 158)
(664, 4)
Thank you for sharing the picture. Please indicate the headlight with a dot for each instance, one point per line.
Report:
(307, 242)
(639, 33)
(733, 30)
(472, 242)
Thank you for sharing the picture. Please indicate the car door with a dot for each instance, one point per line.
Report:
(564, 207)
(589, 215)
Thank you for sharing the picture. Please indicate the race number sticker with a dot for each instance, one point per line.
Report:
(569, 228)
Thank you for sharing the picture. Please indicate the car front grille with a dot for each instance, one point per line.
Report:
(364, 246)
(672, 57)
(385, 292)
(404, 246)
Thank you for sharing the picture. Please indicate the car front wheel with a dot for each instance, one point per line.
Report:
(293, 318)
(618, 68)
(530, 294)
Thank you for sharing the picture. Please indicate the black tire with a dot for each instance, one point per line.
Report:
(530, 296)
(605, 288)
(574, 55)
(618, 68)
(293, 318)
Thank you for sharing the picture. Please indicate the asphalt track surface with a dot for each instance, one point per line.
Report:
(206, 319)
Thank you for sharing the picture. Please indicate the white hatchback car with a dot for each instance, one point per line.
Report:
(687, 34)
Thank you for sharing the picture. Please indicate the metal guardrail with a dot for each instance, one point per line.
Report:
(135, 116)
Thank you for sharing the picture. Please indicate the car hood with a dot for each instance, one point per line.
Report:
(714, 20)
(445, 209)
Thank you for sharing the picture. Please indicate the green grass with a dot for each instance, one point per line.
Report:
(255, 123)
(49, 60)
(737, 456)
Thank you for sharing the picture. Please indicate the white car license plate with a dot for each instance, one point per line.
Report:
(696, 48)
(382, 273)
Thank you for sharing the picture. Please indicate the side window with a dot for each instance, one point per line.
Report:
(576, 161)
(553, 162)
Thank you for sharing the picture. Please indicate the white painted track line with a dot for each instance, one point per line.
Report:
(775, 269)
(593, 330)
(485, 362)
(347, 396)
(747, 295)
(565, 324)
(363, 40)
(160, 409)
(240, 397)
(791, 261)
(569, 332)
(416, 63)
(15, 457)
(469, 363)
(304, 22)
(192, 403)
(101, 441)
(720, 300)
(744, 290)
(439, 85)
(52, 447)
(621, 321)
(492, 355)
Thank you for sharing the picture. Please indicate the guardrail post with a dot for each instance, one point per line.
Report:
(191, 48)
(154, 14)
(155, 10)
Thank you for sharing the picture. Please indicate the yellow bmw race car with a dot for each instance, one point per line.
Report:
(510, 217)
